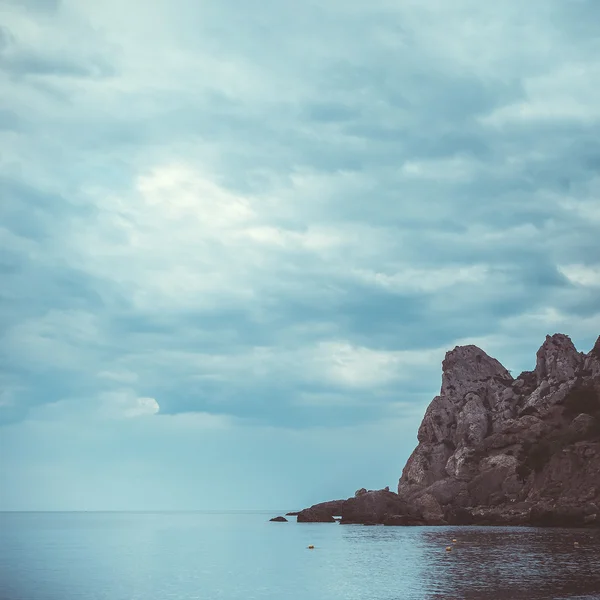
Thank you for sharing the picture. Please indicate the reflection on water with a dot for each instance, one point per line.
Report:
(522, 563)
(490, 562)
(184, 556)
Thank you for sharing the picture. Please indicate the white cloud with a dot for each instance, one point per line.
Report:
(330, 362)
(142, 407)
(359, 367)
(455, 169)
(179, 192)
(587, 208)
(117, 404)
(569, 93)
(171, 243)
(179, 240)
(125, 403)
(424, 279)
(585, 275)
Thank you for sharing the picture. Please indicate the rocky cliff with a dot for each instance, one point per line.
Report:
(498, 450)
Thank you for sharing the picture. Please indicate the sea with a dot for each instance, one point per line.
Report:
(243, 556)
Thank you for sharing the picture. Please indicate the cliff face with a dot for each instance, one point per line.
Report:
(498, 450)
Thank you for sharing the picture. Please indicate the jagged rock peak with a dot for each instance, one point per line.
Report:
(595, 351)
(592, 359)
(467, 364)
(557, 359)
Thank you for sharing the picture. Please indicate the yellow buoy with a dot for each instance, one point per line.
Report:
(448, 548)
(311, 547)
(454, 541)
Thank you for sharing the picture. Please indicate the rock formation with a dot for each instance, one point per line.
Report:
(321, 513)
(498, 450)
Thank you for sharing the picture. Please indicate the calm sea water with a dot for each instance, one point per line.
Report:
(181, 556)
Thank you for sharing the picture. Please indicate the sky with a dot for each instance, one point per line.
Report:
(237, 238)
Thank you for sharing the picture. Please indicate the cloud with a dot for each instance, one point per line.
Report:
(290, 238)
(582, 274)
(27, 48)
(124, 403)
(116, 404)
(41, 5)
(237, 238)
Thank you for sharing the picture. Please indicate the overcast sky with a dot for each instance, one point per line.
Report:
(238, 237)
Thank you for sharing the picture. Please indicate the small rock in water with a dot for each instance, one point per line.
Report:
(279, 520)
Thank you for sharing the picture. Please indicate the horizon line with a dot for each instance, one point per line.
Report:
(152, 511)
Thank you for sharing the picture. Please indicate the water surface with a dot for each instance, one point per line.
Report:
(184, 556)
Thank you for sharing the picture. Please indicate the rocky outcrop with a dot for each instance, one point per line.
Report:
(497, 450)
(321, 513)
(403, 520)
(278, 520)
(557, 360)
(372, 507)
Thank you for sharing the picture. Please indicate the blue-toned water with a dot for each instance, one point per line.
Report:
(180, 556)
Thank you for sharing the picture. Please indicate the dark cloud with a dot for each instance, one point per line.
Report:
(19, 58)
(424, 193)
(23, 63)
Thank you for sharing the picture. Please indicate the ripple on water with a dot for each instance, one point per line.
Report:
(184, 556)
